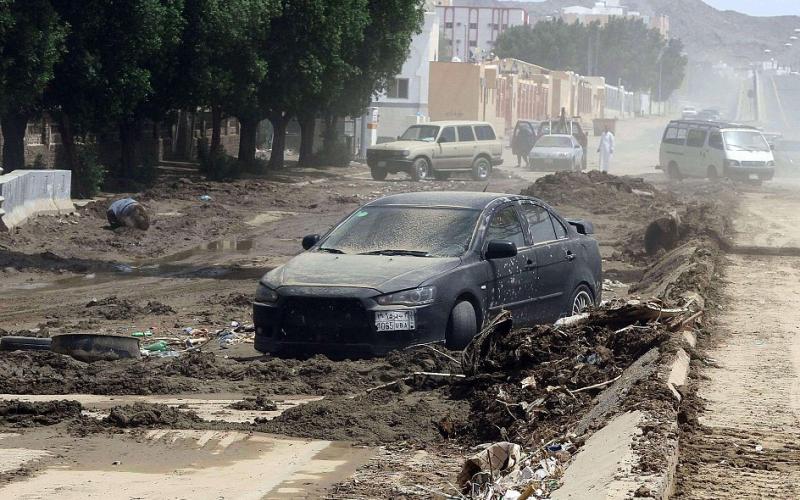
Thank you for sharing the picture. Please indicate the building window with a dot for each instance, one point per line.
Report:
(448, 25)
(473, 26)
(398, 89)
(473, 43)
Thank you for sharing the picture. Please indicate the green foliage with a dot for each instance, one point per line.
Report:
(88, 179)
(217, 166)
(336, 154)
(623, 49)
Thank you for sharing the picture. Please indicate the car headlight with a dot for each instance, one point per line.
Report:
(266, 294)
(732, 163)
(416, 297)
(770, 163)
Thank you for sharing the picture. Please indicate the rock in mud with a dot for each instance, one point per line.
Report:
(16, 413)
(151, 416)
(258, 403)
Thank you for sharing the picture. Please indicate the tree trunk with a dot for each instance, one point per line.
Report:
(71, 155)
(331, 134)
(308, 126)
(216, 124)
(127, 140)
(279, 122)
(14, 126)
(247, 140)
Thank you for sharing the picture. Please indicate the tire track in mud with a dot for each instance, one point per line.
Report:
(747, 442)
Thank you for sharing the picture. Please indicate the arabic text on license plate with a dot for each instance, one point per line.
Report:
(389, 321)
(381, 163)
(753, 177)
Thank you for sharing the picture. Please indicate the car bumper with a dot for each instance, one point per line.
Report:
(550, 164)
(392, 164)
(307, 324)
(761, 173)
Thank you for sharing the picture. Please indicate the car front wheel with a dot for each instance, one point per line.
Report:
(378, 174)
(420, 169)
(462, 326)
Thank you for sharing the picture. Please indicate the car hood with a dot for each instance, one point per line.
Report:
(383, 273)
(399, 145)
(749, 155)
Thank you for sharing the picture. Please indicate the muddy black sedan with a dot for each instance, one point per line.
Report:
(423, 267)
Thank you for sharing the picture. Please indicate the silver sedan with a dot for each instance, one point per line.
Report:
(556, 152)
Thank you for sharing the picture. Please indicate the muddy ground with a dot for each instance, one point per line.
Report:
(198, 265)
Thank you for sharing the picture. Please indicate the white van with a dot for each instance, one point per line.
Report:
(711, 149)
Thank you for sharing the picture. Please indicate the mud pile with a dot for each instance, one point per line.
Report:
(28, 372)
(402, 414)
(113, 308)
(15, 413)
(151, 415)
(600, 193)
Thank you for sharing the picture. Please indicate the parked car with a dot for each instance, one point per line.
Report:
(691, 148)
(709, 115)
(787, 156)
(556, 152)
(689, 113)
(423, 267)
(571, 126)
(437, 149)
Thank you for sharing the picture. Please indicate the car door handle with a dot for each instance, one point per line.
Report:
(569, 255)
(530, 265)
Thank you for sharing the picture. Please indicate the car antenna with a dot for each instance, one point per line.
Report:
(485, 187)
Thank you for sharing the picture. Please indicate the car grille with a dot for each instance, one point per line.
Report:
(325, 320)
(754, 163)
(382, 154)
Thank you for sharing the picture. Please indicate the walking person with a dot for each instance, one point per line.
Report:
(606, 150)
(522, 143)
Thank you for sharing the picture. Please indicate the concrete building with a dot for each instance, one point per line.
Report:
(405, 102)
(604, 10)
(469, 32)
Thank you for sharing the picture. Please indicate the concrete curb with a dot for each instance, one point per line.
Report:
(585, 479)
(27, 193)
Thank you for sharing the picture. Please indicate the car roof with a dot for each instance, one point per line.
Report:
(454, 123)
(713, 123)
(456, 199)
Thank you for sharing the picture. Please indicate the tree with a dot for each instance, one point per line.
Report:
(672, 69)
(106, 77)
(31, 43)
(623, 50)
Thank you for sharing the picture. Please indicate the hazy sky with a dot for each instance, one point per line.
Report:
(759, 7)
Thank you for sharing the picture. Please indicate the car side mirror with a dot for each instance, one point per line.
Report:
(310, 240)
(500, 249)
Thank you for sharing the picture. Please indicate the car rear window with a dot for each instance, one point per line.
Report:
(554, 142)
(465, 134)
(485, 133)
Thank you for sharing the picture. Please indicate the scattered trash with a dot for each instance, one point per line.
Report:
(205, 197)
(116, 462)
(157, 346)
(759, 448)
(146, 333)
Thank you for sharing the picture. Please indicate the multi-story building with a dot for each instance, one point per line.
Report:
(604, 10)
(469, 32)
(405, 101)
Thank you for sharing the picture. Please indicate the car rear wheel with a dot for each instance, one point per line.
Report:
(673, 172)
(420, 169)
(712, 173)
(378, 174)
(581, 300)
(481, 169)
(462, 327)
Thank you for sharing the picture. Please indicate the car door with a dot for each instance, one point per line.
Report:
(553, 260)
(716, 151)
(510, 287)
(467, 146)
(447, 149)
(695, 141)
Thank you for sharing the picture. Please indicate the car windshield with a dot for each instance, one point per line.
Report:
(745, 140)
(395, 230)
(554, 142)
(420, 133)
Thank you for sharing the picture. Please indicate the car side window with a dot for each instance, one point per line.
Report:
(541, 227)
(671, 135)
(696, 138)
(561, 231)
(681, 136)
(465, 134)
(448, 135)
(506, 226)
(715, 140)
(485, 133)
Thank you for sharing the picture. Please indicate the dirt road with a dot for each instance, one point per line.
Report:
(747, 446)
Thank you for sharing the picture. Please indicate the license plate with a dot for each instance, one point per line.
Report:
(390, 321)
(381, 163)
(753, 177)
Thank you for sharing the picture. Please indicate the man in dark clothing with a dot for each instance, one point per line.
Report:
(522, 143)
(129, 213)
